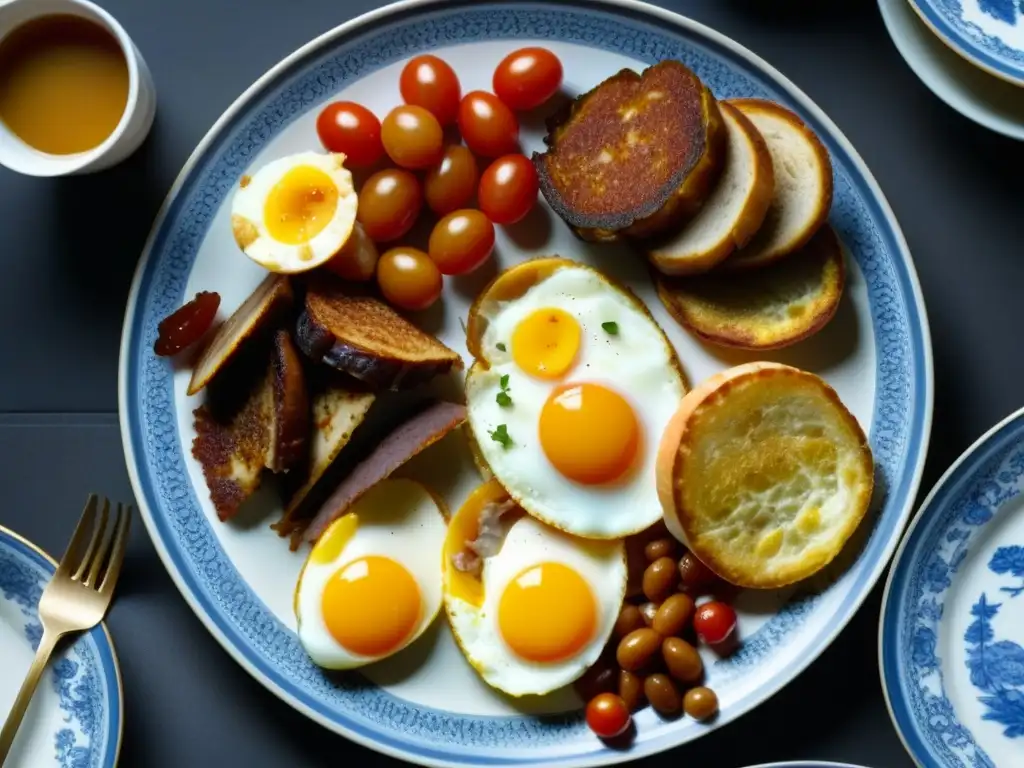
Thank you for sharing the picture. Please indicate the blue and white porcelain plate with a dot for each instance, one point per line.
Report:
(74, 720)
(427, 705)
(988, 33)
(951, 640)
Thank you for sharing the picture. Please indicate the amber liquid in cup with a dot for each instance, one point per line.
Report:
(63, 84)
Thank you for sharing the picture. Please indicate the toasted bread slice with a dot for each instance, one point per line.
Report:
(365, 338)
(803, 185)
(776, 306)
(633, 155)
(265, 306)
(291, 414)
(764, 474)
(733, 212)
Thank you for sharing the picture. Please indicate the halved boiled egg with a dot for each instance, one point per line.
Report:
(295, 213)
(372, 582)
(531, 607)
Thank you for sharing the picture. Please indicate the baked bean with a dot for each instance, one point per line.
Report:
(631, 689)
(647, 612)
(673, 615)
(659, 548)
(660, 579)
(662, 693)
(693, 574)
(601, 677)
(636, 648)
(700, 703)
(629, 619)
(682, 660)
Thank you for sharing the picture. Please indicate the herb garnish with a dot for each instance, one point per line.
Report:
(501, 346)
(503, 397)
(611, 328)
(500, 435)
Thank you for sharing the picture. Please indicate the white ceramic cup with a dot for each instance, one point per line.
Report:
(138, 112)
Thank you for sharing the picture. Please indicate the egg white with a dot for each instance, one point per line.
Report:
(529, 542)
(399, 519)
(637, 362)
(247, 215)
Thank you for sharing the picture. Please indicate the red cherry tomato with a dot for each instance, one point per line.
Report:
(461, 241)
(508, 189)
(527, 78)
(345, 126)
(488, 126)
(714, 622)
(429, 82)
(187, 324)
(607, 715)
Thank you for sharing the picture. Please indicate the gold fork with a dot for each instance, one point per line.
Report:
(77, 597)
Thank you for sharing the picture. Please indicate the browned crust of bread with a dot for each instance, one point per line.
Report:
(749, 221)
(265, 306)
(367, 339)
(738, 261)
(291, 406)
(677, 446)
(702, 303)
(681, 165)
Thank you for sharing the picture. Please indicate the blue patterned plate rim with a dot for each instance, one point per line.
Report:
(102, 640)
(805, 764)
(935, 515)
(230, 610)
(945, 19)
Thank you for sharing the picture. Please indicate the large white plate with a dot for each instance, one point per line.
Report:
(427, 705)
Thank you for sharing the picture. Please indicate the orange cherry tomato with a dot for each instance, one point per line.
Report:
(412, 137)
(344, 126)
(451, 183)
(408, 278)
(461, 241)
(508, 189)
(527, 78)
(488, 126)
(607, 715)
(389, 203)
(429, 82)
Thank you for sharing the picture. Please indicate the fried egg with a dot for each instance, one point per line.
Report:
(372, 582)
(542, 607)
(295, 213)
(569, 403)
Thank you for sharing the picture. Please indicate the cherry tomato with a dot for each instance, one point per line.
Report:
(357, 259)
(607, 715)
(389, 203)
(508, 189)
(487, 125)
(451, 183)
(714, 622)
(345, 126)
(528, 77)
(408, 278)
(187, 324)
(429, 82)
(461, 241)
(412, 137)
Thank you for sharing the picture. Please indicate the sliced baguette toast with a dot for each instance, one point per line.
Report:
(772, 307)
(764, 474)
(634, 154)
(733, 212)
(803, 185)
(365, 338)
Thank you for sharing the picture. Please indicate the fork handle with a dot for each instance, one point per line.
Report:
(46, 645)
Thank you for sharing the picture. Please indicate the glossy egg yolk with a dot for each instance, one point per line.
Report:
(545, 343)
(371, 606)
(300, 205)
(588, 432)
(547, 613)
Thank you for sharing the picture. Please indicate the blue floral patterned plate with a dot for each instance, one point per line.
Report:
(951, 640)
(74, 720)
(427, 704)
(988, 33)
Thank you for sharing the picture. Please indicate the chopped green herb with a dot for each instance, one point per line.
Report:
(500, 435)
(611, 328)
(501, 346)
(503, 382)
(504, 400)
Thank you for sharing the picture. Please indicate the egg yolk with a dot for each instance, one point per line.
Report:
(300, 205)
(547, 613)
(545, 343)
(588, 432)
(371, 606)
